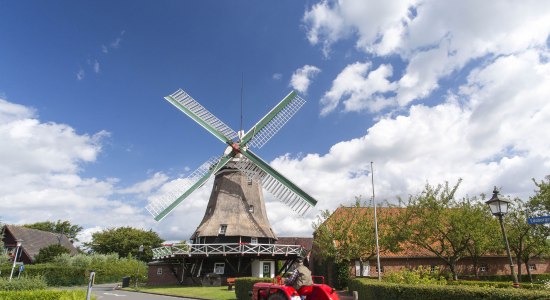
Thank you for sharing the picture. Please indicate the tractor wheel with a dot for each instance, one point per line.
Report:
(277, 296)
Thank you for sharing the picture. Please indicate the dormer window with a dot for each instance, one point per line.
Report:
(223, 229)
(251, 208)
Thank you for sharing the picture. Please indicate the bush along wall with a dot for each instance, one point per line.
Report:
(368, 289)
(244, 284)
(25, 283)
(43, 295)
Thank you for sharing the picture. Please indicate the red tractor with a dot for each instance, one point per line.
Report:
(277, 290)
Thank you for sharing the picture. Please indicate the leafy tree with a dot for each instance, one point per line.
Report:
(3, 254)
(349, 233)
(434, 220)
(64, 227)
(485, 237)
(125, 241)
(526, 241)
(540, 202)
(49, 253)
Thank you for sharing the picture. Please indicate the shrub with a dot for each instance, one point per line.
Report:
(25, 283)
(391, 291)
(420, 275)
(244, 284)
(43, 295)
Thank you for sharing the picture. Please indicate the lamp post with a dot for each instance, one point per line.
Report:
(499, 207)
(19, 242)
(140, 250)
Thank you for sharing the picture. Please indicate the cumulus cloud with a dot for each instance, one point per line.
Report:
(301, 78)
(359, 89)
(435, 39)
(491, 132)
(40, 166)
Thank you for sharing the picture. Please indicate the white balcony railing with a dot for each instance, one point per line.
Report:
(225, 249)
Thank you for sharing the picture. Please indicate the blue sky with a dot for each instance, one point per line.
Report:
(426, 93)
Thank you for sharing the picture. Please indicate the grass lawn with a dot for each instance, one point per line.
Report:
(214, 293)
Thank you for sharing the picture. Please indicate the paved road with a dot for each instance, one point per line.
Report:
(107, 292)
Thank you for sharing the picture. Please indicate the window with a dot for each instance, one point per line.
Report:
(251, 208)
(159, 271)
(532, 267)
(219, 268)
(223, 229)
(249, 181)
(254, 240)
(381, 269)
(365, 270)
(483, 268)
(433, 269)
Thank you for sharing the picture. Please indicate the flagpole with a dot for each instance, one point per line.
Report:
(375, 226)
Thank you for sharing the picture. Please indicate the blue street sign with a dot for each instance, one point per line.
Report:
(539, 220)
(21, 268)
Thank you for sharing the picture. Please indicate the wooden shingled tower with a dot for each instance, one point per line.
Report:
(235, 212)
(235, 237)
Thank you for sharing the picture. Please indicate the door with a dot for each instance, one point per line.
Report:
(266, 269)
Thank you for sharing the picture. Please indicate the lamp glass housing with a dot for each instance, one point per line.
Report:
(498, 205)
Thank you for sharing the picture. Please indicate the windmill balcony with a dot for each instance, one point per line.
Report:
(243, 249)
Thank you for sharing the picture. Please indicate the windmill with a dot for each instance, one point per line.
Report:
(235, 214)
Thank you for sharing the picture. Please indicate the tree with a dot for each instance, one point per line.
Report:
(348, 234)
(540, 202)
(526, 241)
(3, 254)
(47, 254)
(63, 227)
(485, 237)
(436, 222)
(125, 241)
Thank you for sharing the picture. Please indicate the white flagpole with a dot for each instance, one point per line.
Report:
(375, 226)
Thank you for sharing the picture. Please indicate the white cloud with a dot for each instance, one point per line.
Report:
(277, 76)
(490, 133)
(147, 186)
(40, 166)
(301, 78)
(96, 66)
(80, 74)
(359, 89)
(435, 39)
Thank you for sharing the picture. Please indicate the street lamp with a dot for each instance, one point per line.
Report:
(499, 207)
(19, 242)
(140, 250)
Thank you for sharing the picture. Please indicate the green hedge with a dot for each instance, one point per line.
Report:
(369, 290)
(23, 284)
(537, 278)
(244, 284)
(498, 284)
(106, 272)
(44, 295)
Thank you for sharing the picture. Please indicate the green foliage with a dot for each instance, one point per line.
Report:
(497, 284)
(64, 227)
(370, 289)
(348, 233)
(125, 241)
(244, 284)
(69, 271)
(25, 283)
(48, 253)
(3, 255)
(342, 273)
(450, 229)
(540, 202)
(44, 295)
(420, 275)
(537, 278)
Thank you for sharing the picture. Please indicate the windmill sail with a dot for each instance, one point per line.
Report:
(275, 183)
(201, 115)
(250, 164)
(273, 121)
(162, 206)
